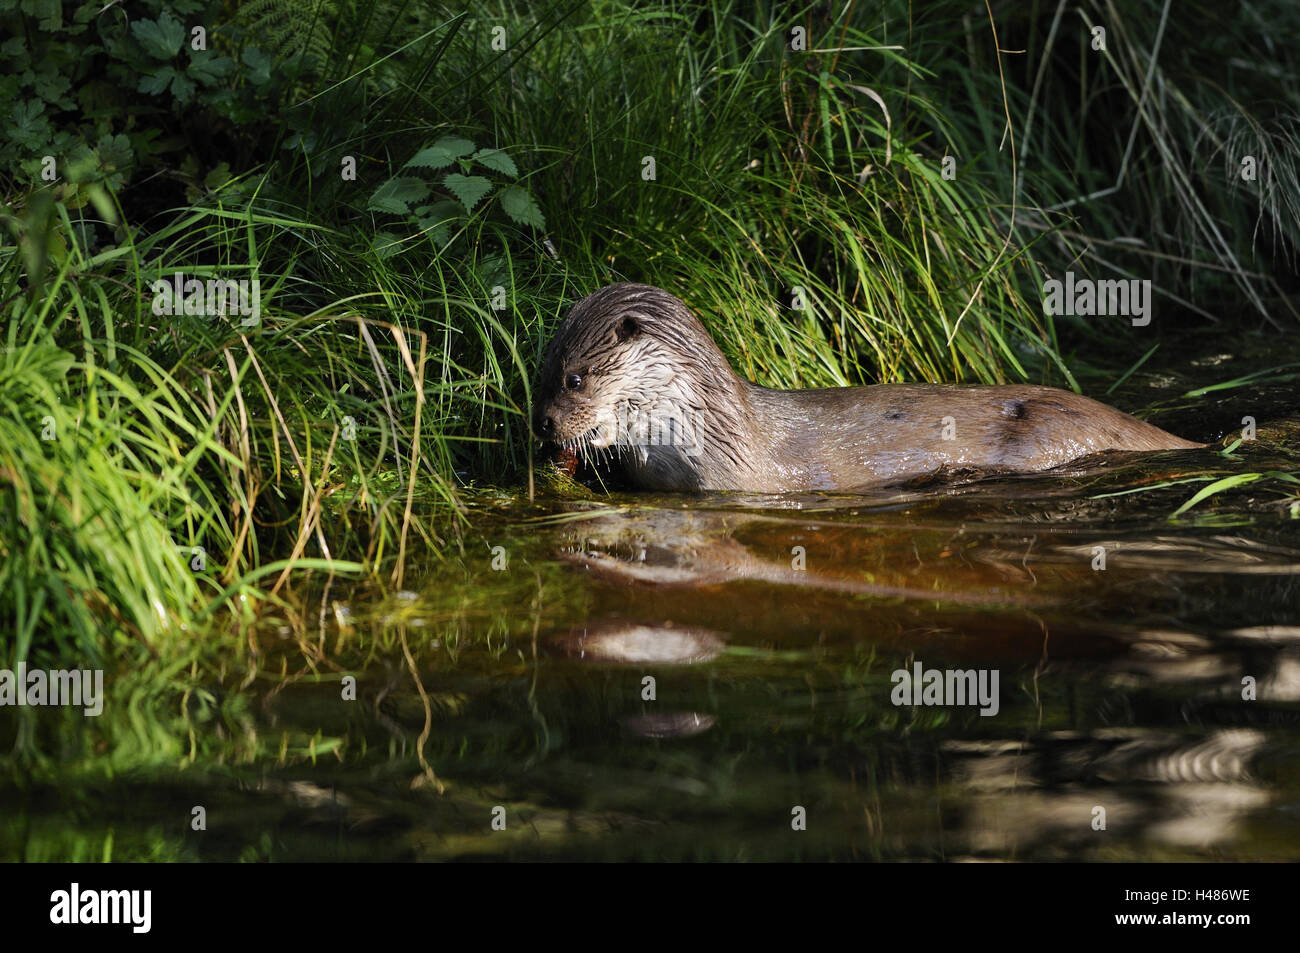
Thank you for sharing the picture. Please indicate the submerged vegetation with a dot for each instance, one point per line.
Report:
(855, 194)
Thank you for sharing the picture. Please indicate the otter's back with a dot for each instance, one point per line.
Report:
(856, 436)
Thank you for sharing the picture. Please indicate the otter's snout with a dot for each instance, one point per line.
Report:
(549, 417)
(560, 419)
(544, 425)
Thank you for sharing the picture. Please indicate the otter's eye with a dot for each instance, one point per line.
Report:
(573, 382)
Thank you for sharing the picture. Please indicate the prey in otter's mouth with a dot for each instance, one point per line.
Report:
(632, 375)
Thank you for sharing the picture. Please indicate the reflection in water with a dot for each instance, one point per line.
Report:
(1189, 793)
(665, 678)
(1213, 554)
(660, 644)
(683, 724)
(646, 645)
(670, 547)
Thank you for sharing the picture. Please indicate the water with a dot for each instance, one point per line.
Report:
(772, 628)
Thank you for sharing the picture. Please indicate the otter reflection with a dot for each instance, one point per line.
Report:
(628, 643)
(684, 724)
(622, 643)
(663, 547)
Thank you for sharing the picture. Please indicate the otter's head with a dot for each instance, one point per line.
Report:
(625, 352)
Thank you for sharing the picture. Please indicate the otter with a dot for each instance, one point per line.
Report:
(632, 372)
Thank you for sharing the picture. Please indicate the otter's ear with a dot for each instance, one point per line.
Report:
(627, 328)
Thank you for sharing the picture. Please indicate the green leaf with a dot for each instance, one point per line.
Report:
(497, 161)
(49, 12)
(218, 176)
(259, 65)
(436, 220)
(162, 38)
(100, 198)
(157, 82)
(183, 88)
(50, 86)
(441, 154)
(1227, 483)
(207, 67)
(468, 189)
(115, 151)
(81, 165)
(10, 87)
(28, 126)
(444, 210)
(398, 194)
(519, 205)
(439, 234)
(386, 244)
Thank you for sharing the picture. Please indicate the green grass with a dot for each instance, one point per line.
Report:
(1170, 155)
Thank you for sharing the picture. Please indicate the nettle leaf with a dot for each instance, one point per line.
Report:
(468, 189)
(519, 205)
(441, 154)
(386, 244)
(437, 219)
(398, 194)
(444, 209)
(156, 83)
(207, 67)
(437, 232)
(497, 161)
(162, 38)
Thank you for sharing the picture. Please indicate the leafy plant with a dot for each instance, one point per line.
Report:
(441, 218)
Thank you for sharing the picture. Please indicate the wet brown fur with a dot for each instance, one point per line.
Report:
(643, 356)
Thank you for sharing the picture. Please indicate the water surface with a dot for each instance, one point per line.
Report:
(771, 628)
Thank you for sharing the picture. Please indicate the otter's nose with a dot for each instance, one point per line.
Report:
(547, 426)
